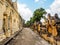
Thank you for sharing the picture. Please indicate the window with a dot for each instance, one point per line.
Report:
(1, 2)
(14, 20)
(12, 11)
(6, 4)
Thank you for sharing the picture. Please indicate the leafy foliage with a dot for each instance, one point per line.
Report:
(37, 15)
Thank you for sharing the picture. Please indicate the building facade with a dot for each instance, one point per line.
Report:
(10, 20)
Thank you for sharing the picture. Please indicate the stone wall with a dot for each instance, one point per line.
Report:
(10, 20)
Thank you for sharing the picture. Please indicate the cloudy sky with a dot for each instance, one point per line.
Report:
(26, 7)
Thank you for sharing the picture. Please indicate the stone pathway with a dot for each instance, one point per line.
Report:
(28, 37)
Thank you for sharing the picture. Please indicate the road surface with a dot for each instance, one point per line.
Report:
(28, 37)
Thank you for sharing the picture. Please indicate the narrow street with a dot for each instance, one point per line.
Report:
(28, 37)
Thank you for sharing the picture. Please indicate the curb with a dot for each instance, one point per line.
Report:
(7, 40)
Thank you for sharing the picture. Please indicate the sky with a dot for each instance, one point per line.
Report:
(27, 7)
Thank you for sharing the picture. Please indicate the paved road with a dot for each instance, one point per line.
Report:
(28, 37)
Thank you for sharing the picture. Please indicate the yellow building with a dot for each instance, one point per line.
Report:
(10, 20)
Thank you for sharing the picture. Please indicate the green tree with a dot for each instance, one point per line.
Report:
(38, 14)
(27, 23)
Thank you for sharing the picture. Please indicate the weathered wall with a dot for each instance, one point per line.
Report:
(10, 20)
(2, 10)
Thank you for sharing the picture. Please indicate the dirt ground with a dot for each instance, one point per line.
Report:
(28, 37)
